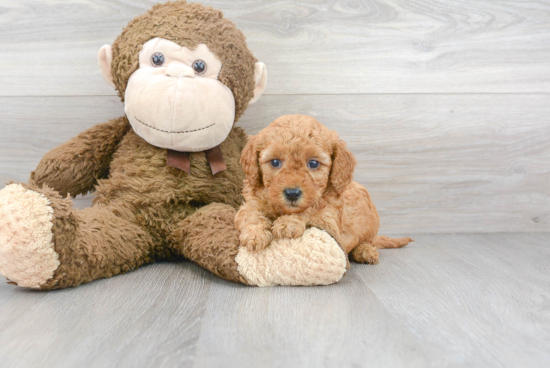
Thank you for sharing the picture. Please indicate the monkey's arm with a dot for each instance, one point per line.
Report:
(75, 166)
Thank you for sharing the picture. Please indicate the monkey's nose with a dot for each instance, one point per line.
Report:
(179, 70)
(292, 194)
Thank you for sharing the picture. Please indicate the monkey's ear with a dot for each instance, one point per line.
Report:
(104, 58)
(260, 78)
(343, 164)
(249, 163)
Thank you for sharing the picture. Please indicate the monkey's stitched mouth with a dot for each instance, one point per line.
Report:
(169, 132)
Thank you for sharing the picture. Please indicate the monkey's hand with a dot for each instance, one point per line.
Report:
(77, 165)
(290, 227)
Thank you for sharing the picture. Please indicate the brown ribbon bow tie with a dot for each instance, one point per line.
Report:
(180, 160)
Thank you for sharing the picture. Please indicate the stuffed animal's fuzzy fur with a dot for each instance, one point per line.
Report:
(189, 25)
(144, 210)
(137, 209)
(140, 201)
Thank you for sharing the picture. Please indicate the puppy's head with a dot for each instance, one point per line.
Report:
(295, 161)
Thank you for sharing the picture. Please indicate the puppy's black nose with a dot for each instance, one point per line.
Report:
(292, 194)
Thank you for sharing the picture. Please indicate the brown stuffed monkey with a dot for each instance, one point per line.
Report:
(167, 176)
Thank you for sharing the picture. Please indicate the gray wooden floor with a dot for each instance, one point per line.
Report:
(445, 301)
(446, 105)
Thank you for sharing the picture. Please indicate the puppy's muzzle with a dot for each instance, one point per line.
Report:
(292, 194)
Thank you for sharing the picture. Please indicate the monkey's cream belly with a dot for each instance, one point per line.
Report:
(182, 114)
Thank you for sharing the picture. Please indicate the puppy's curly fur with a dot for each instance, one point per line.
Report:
(299, 175)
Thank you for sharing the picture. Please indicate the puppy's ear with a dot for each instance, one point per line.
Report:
(343, 164)
(249, 162)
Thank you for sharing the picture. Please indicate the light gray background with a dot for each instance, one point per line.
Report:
(446, 105)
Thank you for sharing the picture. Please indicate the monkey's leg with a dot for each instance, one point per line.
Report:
(364, 253)
(45, 244)
(210, 239)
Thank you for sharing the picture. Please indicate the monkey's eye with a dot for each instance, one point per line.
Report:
(313, 164)
(276, 163)
(199, 66)
(157, 59)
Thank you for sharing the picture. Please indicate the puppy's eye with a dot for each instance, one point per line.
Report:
(157, 59)
(199, 67)
(276, 163)
(313, 164)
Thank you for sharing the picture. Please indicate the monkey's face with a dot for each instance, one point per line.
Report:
(185, 74)
(175, 100)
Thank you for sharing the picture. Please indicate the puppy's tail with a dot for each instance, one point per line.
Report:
(384, 242)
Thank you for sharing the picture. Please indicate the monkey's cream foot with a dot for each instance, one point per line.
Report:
(290, 227)
(27, 255)
(364, 253)
(313, 259)
(45, 244)
(209, 238)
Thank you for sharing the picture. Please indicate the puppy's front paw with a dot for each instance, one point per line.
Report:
(255, 238)
(291, 227)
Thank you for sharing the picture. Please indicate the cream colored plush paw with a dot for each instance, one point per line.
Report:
(27, 255)
(313, 259)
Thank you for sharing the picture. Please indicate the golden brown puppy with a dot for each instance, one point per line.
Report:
(299, 175)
